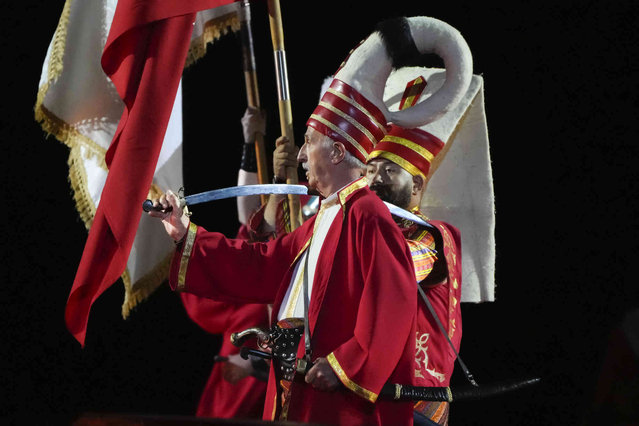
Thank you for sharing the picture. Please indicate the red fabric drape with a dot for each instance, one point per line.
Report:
(144, 56)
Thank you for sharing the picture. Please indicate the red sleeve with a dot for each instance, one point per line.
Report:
(228, 270)
(385, 326)
(209, 314)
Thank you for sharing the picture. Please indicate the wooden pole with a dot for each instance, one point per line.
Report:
(252, 92)
(284, 101)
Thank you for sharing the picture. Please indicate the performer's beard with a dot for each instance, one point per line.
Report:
(400, 197)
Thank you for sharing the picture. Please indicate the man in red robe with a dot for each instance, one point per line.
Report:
(361, 309)
(363, 272)
(436, 255)
(398, 170)
(352, 262)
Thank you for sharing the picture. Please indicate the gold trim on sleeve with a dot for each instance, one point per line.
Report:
(364, 393)
(186, 256)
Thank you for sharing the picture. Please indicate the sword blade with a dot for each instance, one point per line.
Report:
(244, 190)
(231, 192)
(398, 211)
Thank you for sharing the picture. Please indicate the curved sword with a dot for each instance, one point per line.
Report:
(231, 192)
(245, 190)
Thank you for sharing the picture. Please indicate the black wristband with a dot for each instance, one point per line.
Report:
(249, 159)
(277, 179)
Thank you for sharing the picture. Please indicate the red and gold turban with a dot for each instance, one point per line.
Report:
(352, 110)
(344, 115)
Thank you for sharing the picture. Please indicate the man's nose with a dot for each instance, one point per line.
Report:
(301, 155)
(377, 177)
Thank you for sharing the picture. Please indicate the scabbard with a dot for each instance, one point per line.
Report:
(397, 392)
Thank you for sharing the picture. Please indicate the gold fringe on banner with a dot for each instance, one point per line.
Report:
(213, 30)
(145, 286)
(82, 147)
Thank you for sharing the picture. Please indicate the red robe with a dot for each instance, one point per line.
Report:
(221, 398)
(434, 358)
(362, 310)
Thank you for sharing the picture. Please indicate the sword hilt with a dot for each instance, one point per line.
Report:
(148, 206)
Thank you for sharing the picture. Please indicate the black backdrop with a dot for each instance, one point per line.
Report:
(561, 102)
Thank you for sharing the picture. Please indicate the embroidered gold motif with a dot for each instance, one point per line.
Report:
(421, 358)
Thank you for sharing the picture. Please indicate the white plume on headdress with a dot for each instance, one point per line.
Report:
(325, 84)
(369, 66)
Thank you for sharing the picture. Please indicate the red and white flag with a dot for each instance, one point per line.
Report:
(110, 90)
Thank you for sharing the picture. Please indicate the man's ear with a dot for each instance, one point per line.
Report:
(418, 184)
(338, 152)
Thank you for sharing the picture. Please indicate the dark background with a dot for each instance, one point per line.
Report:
(561, 103)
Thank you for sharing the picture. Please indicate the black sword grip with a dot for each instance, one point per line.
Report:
(414, 393)
(148, 206)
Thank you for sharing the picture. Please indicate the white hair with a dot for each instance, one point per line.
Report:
(353, 162)
(349, 159)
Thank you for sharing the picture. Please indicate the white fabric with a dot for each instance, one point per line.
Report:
(293, 303)
(84, 107)
(205, 16)
(368, 67)
(460, 189)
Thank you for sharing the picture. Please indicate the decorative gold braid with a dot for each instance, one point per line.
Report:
(344, 193)
(213, 30)
(423, 152)
(400, 161)
(356, 104)
(340, 132)
(364, 393)
(186, 256)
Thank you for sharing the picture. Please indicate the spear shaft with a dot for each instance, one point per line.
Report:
(284, 101)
